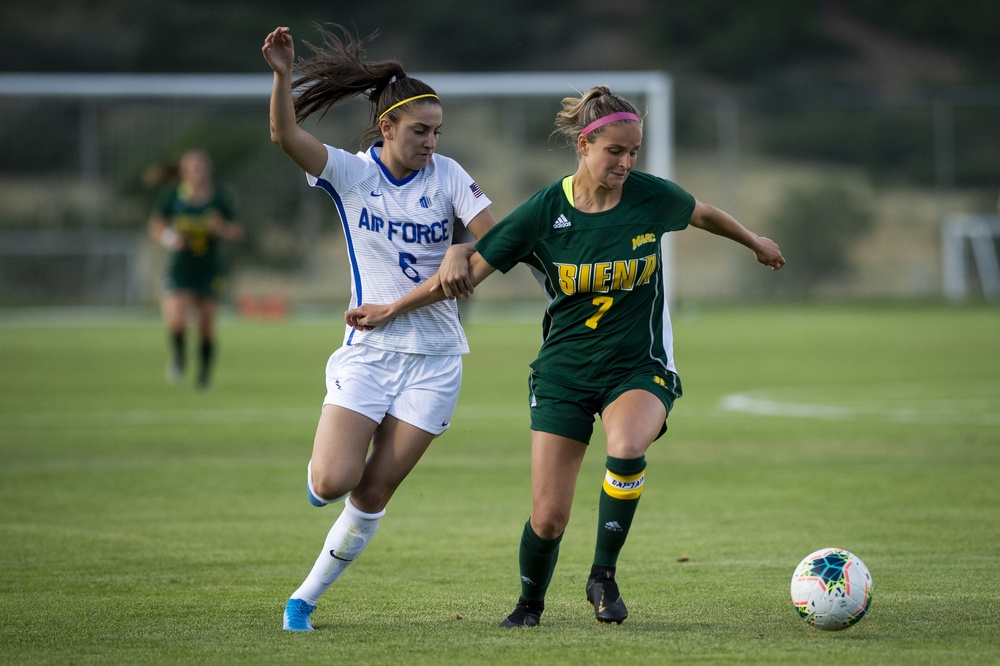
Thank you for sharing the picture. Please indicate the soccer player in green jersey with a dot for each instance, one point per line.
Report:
(191, 219)
(594, 239)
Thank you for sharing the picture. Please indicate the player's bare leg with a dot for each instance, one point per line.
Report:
(341, 459)
(340, 450)
(396, 449)
(555, 465)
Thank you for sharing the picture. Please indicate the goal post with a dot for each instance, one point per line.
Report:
(979, 234)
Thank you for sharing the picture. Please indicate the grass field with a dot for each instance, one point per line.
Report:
(147, 523)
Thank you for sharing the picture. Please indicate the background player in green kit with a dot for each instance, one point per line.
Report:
(594, 239)
(191, 219)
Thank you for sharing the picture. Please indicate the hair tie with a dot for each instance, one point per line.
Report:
(406, 101)
(610, 118)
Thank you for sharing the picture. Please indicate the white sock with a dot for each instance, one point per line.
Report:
(348, 537)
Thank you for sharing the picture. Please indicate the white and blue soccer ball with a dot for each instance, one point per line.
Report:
(831, 589)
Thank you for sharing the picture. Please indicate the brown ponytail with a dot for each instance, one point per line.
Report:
(337, 71)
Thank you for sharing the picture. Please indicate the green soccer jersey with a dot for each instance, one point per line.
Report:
(199, 263)
(193, 221)
(603, 276)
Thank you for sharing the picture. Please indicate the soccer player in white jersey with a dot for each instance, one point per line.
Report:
(390, 391)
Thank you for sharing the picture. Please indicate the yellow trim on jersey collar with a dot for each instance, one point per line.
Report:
(567, 185)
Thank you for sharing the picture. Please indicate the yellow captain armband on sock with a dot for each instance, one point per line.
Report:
(624, 487)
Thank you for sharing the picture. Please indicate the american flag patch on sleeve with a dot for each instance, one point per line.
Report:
(476, 190)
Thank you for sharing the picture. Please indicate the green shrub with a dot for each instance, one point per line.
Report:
(817, 226)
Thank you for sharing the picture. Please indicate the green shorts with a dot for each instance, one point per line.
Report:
(569, 411)
(202, 278)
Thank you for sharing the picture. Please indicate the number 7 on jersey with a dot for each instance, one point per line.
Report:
(603, 304)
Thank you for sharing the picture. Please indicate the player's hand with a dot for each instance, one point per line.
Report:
(224, 229)
(171, 239)
(279, 50)
(768, 253)
(365, 317)
(453, 277)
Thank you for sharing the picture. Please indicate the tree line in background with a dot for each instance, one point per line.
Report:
(735, 42)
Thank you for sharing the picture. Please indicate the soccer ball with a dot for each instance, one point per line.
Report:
(831, 589)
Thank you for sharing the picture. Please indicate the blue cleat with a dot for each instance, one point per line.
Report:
(297, 615)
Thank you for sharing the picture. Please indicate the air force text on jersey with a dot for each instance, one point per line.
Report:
(408, 232)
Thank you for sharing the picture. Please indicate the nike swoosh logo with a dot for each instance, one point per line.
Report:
(376, 194)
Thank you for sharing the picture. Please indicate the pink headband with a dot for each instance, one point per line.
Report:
(610, 118)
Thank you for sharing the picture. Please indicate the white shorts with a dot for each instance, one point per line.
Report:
(419, 389)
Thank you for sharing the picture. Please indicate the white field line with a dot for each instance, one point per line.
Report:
(971, 411)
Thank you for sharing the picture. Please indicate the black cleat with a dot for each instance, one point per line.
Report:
(526, 614)
(602, 593)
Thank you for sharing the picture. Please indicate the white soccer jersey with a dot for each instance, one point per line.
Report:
(397, 233)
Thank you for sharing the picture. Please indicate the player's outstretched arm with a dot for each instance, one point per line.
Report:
(723, 224)
(367, 316)
(305, 150)
(226, 229)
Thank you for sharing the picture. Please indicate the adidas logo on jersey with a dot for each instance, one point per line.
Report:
(561, 222)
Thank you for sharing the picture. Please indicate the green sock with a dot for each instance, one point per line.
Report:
(619, 499)
(537, 560)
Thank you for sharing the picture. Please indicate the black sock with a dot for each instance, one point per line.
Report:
(207, 354)
(177, 345)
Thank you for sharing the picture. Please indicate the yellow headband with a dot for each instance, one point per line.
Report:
(406, 101)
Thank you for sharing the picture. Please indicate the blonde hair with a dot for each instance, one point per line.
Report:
(578, 112)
